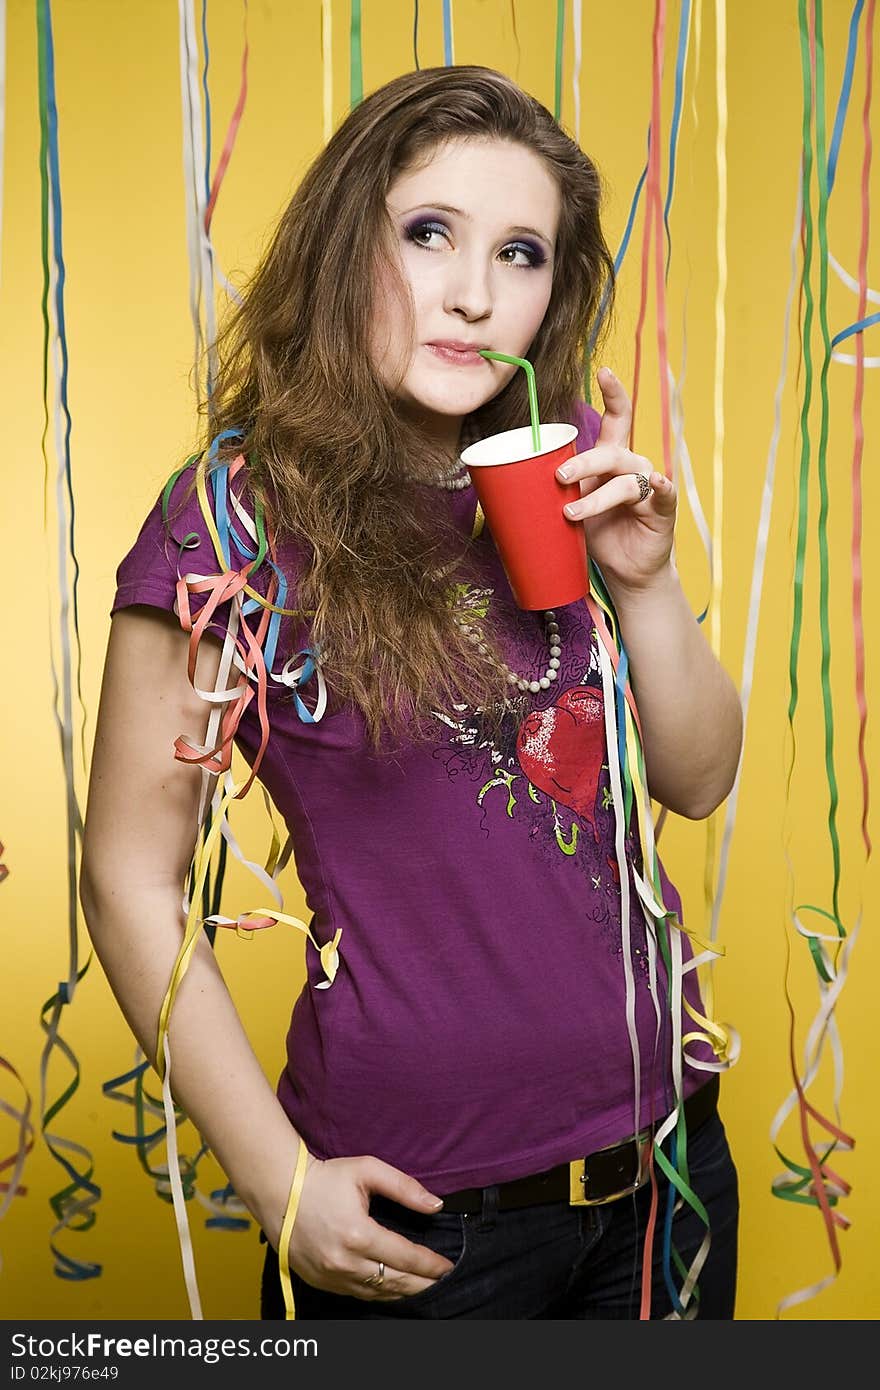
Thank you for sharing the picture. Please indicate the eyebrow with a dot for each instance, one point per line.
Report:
(459, 212)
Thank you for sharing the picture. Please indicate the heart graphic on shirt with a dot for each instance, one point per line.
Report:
(561, 749)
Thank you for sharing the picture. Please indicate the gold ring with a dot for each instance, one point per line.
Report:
(376, 1279)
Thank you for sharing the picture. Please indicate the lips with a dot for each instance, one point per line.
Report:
(456, 345)
(449, 353)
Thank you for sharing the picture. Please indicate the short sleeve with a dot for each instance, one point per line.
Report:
(148, 573)
(176, 540)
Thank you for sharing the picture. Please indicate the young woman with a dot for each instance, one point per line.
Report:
(492, 1012)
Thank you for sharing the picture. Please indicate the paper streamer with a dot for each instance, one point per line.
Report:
(560, 46)
(73, 1204)
(858, 425)
(830, 951)
(769, 479)
(213, 189)
(651, 174)
(758, 566)
(416, 36)
(242, 544)
(577, 39)
(228, 1212)
(448, 35)
(13, 1187)
(676, 410)
(355, 63)
(630, 766)
(202, 197)
(176, 1180)
(723, 1040)
(652, 222)
(827, 979)
(814, 1181)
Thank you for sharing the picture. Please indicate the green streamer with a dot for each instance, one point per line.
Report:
(803, 478)
(560, 44)
(822, 172)
(356, 75)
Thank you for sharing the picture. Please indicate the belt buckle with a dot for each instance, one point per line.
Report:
(584, 1173)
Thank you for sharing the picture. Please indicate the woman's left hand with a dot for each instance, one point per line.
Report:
(629, 538)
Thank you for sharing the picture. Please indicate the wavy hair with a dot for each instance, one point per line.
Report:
(331, 458)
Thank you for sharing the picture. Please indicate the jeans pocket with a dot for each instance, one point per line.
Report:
(444, 1232)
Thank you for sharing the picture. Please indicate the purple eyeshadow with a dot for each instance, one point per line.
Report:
(535, 252)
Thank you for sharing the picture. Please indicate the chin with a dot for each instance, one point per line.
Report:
(450, 402)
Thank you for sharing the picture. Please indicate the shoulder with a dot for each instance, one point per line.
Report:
(205, 521)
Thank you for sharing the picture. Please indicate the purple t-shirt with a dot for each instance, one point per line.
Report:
(475, 1030)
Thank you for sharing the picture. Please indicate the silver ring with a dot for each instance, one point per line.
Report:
(376, 1279)
(645, 488)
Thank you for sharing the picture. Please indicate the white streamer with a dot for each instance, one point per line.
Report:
(577, 16)
(760, 554)
(623, 868)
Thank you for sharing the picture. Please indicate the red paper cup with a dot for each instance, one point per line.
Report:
(543, 552)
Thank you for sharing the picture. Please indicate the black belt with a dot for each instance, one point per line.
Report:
(601, 1177)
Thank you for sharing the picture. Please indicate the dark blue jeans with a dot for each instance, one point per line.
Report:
(554, 1260)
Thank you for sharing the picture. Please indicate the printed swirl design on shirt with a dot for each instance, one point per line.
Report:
(549, 766)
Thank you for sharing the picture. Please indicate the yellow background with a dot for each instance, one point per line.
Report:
(130, 339)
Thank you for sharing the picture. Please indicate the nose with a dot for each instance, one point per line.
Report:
(468, 289)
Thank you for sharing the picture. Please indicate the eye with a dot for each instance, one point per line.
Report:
(421, 232)
(534, 256)
(419, 229)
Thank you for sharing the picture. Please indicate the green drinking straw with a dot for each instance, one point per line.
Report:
(533, 391)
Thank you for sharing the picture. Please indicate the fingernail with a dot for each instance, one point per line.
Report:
(609, 374)
(565, 471)
(570, 509)
(437, 1203)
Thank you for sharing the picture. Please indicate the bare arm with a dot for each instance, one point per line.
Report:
(140, 831)
(689, 708)
(688, 705)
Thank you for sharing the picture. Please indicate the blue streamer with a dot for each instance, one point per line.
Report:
(447, 33)
(845, 89)
(855, 328)
(684, 24)
(55, 186)
(64, 1267)
(620, 701)
(207, 102)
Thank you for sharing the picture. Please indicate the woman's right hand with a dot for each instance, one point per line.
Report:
(336, 1244)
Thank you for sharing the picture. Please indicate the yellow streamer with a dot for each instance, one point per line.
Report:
(287, 1230)
(706, 977)
(714, 1033)
(328, 953)
(201, 487)
(201, 862)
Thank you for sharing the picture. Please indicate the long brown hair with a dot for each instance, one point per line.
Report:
(329, 454)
